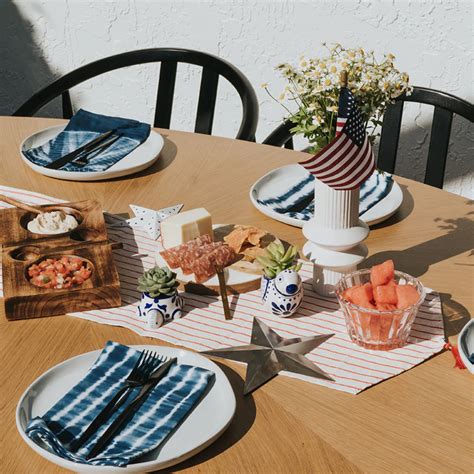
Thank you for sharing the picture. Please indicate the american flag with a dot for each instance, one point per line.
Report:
(348, 160)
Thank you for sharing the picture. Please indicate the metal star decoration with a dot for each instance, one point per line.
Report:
(268, 353)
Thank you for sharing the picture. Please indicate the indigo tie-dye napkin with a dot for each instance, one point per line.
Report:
(372, 191)
(83, 128)
(165, 408)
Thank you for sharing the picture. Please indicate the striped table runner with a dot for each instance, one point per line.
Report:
(203, 326)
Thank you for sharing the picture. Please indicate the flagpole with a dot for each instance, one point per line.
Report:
(344, 77)
(335, 233)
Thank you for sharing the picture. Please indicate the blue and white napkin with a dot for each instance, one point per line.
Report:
(83, 128)
(372, 191)
(164, 409)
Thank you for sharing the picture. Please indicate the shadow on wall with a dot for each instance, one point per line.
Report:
(413, 150)
(23, 69)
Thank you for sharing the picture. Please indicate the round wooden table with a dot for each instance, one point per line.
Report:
(421, 420)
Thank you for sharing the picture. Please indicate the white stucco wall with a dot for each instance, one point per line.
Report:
(431, 40)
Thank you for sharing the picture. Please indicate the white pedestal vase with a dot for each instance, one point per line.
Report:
(335, 236)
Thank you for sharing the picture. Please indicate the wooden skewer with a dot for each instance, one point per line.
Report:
(27, 207)
(20, 205)
(223, 292)
(344, 78)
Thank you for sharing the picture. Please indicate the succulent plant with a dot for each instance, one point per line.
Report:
(158, 281)
(277, 259)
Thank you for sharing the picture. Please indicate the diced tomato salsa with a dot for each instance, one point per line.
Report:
(59, 273)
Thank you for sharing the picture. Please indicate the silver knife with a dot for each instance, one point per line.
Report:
(88, 147)
(131, 409)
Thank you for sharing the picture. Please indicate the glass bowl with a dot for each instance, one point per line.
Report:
(374, 329)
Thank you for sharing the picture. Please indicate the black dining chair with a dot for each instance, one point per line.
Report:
(212, 68)
(445, 105)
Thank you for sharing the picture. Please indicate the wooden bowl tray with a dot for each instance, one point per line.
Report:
(21, 248)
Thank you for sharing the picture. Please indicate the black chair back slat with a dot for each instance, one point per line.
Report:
(281, 136)
(164, 99)
(438, 149)
(68, 111)
(389, 137)
(456, 105)
(207, 101)
(289, 145)
(248, 124)
(445, 106)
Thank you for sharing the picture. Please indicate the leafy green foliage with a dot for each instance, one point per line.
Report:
(158, 281)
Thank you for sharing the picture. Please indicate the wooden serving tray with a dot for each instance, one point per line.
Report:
(21, 249)
(13, 224)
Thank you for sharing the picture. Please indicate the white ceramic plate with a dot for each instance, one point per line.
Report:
(272, 183)
(142, 157)
(466, 344)
(204, 425)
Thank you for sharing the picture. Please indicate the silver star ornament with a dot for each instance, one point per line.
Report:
(268, 353)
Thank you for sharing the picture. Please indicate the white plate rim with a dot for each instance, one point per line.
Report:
(395, 194)
(115, 171)
(469, 365)
(136, 467)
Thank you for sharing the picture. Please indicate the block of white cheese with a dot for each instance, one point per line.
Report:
(183, 227)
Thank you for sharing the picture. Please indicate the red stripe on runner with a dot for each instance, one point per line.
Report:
(352, 346)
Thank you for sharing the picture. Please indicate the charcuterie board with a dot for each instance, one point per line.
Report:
(79, 263)
(240, 277)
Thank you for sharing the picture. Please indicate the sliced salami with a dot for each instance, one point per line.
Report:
(191, 255)
(173, 256)
(204, 267)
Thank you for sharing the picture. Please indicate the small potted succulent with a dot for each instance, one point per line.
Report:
(281, 287)
(160, 301)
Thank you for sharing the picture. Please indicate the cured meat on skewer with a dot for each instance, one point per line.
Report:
(174, 255)
(205, 267)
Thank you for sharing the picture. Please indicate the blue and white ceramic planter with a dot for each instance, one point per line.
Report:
(159, 310)
(283, 294)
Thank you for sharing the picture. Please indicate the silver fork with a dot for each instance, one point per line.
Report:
(145, 365)
(85, 158)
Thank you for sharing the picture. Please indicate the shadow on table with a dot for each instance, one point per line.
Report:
(241, 424)
(197, 301)
(167, 155)
(455, 315)
(405, 210)
(202, 301)
(417, 260)
(120, 231)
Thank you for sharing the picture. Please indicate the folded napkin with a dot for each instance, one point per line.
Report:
(83, 128)
(372, 191)
(164, 409)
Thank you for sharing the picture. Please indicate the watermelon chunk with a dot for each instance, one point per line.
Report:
(383, 273)
(407, 296)
(386, 294)
(360, 295)
(386, 306)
